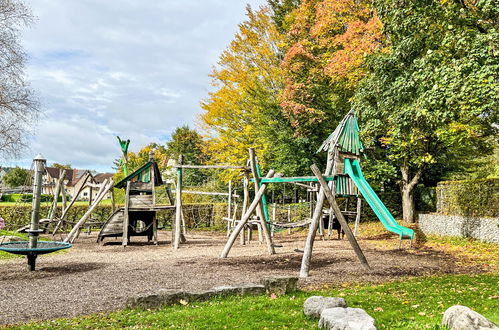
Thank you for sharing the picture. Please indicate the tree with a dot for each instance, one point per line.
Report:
(189, 143)
(281, 9)
(18, 108)
(62, 166)
(328, 40)
(248, 80)
(16, 177)
(432, 98)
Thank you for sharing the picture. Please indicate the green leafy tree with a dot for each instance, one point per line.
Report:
(16, 177)
(62, 166)
(432, 97)
(189, 143)
(281, 10)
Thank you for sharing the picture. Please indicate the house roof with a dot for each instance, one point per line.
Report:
(72, 175)
(100, 177)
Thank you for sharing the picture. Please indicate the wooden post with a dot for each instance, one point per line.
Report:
(229, 202)
(245, 203)
(245, 217)
(64, 197)
(168, 188)
(126, 215)
(153, 186)
(289, 219)
(344, 225)
(71, 236)
(330, 224)
(309, 243)
(178, 206)
(259, 209)
(113, 202)
(273, 219)
(57, 191)
(73, 200)
(357, 216)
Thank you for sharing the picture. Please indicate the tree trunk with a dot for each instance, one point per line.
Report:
(407, 186)
(408, 206)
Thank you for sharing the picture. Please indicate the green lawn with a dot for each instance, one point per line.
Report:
(416, 303)
(5, 255)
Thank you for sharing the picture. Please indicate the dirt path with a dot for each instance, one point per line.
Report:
(91, 278)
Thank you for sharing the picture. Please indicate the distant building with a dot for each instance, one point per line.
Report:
(73, 180)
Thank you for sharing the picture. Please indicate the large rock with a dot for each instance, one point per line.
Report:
(165, 297)
(280, 284)
(462, 318)
(339, 318)
(314, 305)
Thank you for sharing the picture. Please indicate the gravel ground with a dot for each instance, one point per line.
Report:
(92, 278)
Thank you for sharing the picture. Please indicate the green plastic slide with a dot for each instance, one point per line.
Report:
(352, 168)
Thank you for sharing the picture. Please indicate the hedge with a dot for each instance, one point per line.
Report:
(477, 198)
(196, 215)
(26, 198)
(204, 214)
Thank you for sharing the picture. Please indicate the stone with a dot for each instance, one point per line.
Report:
(280, 284)
(340, 318)
(252, 289)
(165, 297)
(462, 318)
(314, 305)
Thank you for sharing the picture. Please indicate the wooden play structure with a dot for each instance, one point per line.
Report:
(138, 216)
(231, 218)
(342, 178)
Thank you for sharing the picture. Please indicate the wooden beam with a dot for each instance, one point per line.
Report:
(316, 216)
(210, 193)
(295, 179)
(71, 236)
(344, 225)
(55, 201)
(245, 218)
(357, 216)
(260, 210)
(73, 200)
(126, 215)
(178, 206)
(225, 167)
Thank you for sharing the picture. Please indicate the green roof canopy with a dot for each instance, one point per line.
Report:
(143, 175)
(345, 137)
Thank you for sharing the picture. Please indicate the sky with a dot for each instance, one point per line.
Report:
(136, 69)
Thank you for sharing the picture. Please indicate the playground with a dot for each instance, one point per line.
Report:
(93, 278)
(130, 254)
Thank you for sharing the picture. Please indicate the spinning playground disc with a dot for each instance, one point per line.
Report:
(42, 247)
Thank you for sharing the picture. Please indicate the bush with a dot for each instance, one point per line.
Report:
(196, 215)
(478, 198)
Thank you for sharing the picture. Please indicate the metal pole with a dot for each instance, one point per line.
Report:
(34, 228)
(39, 167)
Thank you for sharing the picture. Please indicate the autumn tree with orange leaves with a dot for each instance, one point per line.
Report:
(328, 41)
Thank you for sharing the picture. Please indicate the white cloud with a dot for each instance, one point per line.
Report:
(130, 68)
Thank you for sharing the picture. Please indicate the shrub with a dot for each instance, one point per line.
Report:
(469, 197)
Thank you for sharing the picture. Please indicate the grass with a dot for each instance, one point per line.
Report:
(6, 255)
(416, 303)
